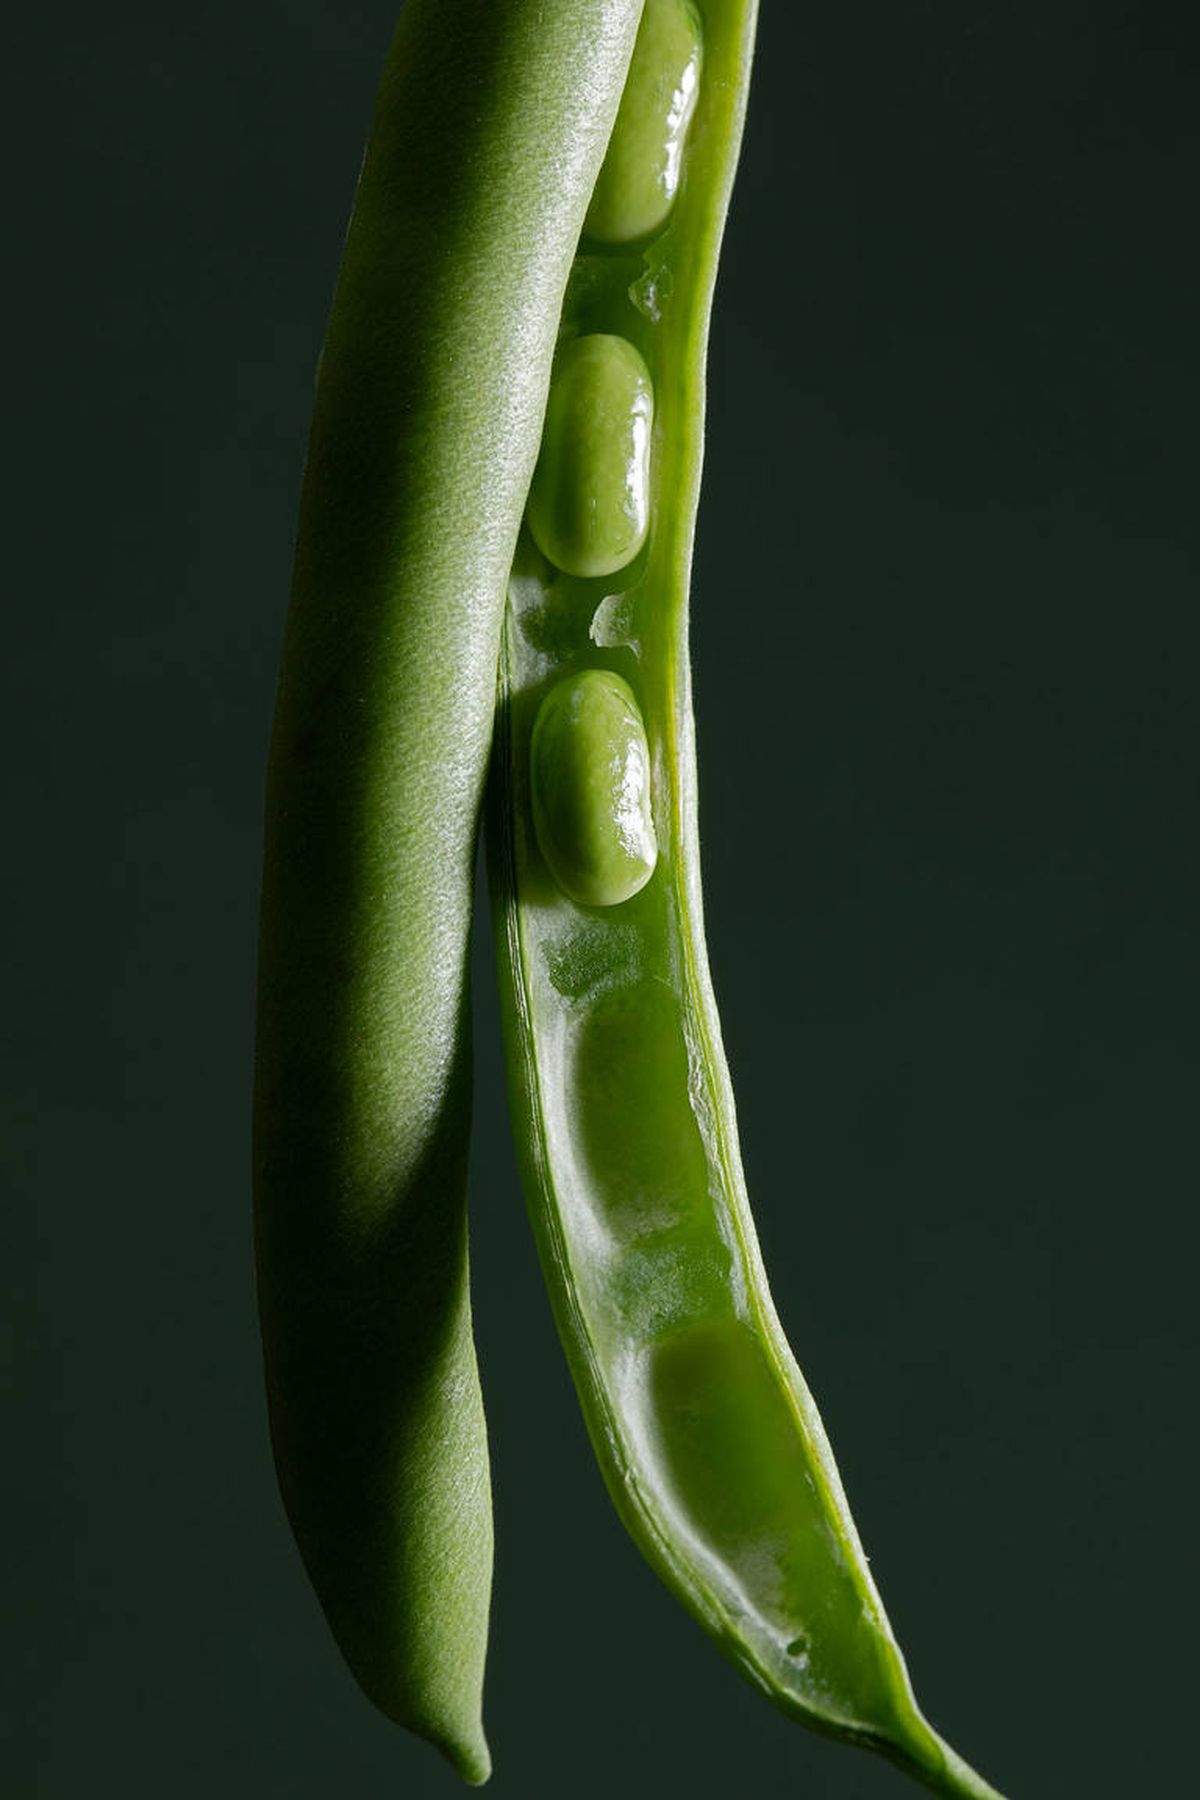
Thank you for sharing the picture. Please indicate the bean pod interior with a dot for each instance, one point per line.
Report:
(709, 1440)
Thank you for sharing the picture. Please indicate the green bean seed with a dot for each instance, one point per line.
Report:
(589, 505)
(640, 176)
(591, 789)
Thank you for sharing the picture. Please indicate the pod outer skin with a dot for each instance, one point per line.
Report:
(488, 134)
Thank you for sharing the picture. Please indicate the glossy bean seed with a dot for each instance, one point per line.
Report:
(640, 176)
(591, 789)
(589, 504)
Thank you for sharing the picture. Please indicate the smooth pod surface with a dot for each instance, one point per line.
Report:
(428, 412)
(590, 783)
(589, 505)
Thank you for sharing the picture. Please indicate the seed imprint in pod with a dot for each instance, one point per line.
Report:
(590, 768)
(589, 504)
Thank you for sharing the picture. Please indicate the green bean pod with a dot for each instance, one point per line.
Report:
(487, 138)
(707, 1436)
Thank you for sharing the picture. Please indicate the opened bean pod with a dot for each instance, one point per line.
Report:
(708, 1438)
(511, 398)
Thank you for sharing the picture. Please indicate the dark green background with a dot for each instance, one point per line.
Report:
(946, 666)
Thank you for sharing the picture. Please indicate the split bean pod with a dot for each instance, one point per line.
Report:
(496, 528)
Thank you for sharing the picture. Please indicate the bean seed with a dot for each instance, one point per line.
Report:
(589, 505)
(590, 766)
(642, 167)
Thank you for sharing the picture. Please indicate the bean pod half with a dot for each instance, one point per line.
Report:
(488, 134)
(708, 1438)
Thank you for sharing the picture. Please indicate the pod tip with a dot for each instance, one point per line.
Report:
(470, 1758)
